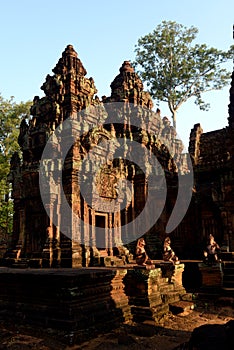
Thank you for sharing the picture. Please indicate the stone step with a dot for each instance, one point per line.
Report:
(228, 264)
(141, 313)
(136, 301)
(209, 294)
(187, 297)
(228, 291)
(226, 256)
(181, 306)
(166, 287)
(160, 310)
(225, 300)
(145, 267)
(20, 264)
(228, 271)
(228, 284)
(36, 255)
(17, 266)
(170, 297)
(35, 263)
(228, 277)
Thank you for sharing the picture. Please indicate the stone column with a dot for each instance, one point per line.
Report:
(56, 242)
(126, 222)
(47, 254)
(110, 241)
(133, 208)
(76, 242)
(116, 238)
(92, 233)
(21, 240)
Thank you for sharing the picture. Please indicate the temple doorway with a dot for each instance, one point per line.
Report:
(101, 221)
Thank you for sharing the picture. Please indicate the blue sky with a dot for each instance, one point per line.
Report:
(104, 33)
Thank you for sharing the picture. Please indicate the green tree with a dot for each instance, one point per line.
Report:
(175, 70)
(10, 117)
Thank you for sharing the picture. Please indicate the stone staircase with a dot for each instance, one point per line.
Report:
(218, 279)
(228, 277)
(20, 264)
(153, 292)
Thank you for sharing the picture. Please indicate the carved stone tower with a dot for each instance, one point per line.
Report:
(43, 233)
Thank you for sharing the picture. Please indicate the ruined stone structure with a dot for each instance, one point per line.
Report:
(213, 163)
(71, 134)
(44, 234)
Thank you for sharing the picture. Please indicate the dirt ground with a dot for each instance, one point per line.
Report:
(172, 331)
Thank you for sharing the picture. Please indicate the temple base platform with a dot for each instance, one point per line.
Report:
(77, 303)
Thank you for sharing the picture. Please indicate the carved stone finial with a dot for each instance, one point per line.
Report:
(128, 87)
(126, 67)
(70, 51)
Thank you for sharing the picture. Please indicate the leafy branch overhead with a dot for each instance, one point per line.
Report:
(176, 70)
(11, 114)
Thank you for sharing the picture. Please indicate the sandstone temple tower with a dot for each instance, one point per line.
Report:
(43, 234)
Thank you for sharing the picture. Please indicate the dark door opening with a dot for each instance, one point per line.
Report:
(100, 224)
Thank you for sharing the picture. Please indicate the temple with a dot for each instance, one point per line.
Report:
(213, 163)
(101, 227)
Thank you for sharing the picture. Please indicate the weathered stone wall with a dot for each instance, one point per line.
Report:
(213, 158)
(78, 303)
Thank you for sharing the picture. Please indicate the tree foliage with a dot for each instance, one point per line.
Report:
(10, 117)
(176, 70)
